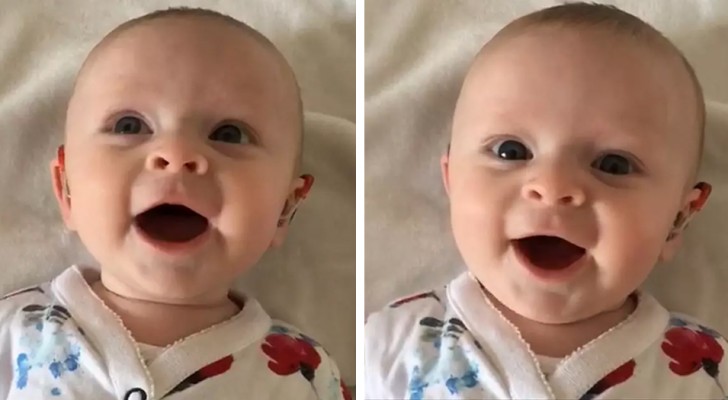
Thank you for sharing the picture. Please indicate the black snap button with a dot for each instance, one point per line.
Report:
(135, 394)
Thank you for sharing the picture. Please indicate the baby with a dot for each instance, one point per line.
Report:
(571, 171)
(182, 146)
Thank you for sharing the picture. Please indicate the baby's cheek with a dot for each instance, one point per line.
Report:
(479, 234)
(630, 244)
(477, 197)
(247, 226)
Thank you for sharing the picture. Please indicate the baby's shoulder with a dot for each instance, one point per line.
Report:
(684, 323)
(391, 333)
(280, 330)
(37, 290)
(686, 334)
(388, 330)
(24, 307)
(400, 315)
(25, 299)
(282, 335)
(286, 345)
(694, 350)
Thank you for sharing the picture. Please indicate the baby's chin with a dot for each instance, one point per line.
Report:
(191, 284)
(545, 316)
(540, 307)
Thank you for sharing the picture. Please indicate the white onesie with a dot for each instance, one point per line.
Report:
(59, 341)
(452, 344)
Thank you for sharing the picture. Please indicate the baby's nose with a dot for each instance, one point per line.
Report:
(177, 157)
(554, 190)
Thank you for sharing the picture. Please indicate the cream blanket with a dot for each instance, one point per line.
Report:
(310, 282)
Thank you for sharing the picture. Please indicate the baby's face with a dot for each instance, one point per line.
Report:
(571, 156)
(188, 112)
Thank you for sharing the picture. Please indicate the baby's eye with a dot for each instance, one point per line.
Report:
(130, 126)
(613, 164)
(511, 150)
(231, 134)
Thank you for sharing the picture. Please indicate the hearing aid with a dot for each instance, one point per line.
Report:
(61, 154)
(292, 202)
(681, 220)
(705, 190)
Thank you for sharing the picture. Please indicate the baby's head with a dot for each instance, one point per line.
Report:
(182, 147)
(572, 167)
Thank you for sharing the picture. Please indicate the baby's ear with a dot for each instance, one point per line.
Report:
(300, 187)
(692, 204)
(60, 187)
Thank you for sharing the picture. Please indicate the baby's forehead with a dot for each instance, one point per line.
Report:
(578, 59)
(608, 37)
(169, 65)
(607, 55)
(558, 38)
(184, 36)
(211, 52)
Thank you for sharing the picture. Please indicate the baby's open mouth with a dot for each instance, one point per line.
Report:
(548, 252)
(171, 223)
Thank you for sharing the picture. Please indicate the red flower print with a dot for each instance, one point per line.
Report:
(614, 378)
(345, 391)
(289, 355)
(218, 367)
(691, 351)
(208, 371)
(619, 375)
(413, 298)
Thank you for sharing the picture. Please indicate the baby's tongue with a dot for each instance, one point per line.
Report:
(549, 252)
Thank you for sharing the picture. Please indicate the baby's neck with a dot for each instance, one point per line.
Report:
(160, 324)
(560, 340)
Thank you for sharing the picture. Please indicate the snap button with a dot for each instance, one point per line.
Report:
(135, 394)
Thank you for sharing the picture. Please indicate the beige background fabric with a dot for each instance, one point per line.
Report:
(417, 52)
(310, 282)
